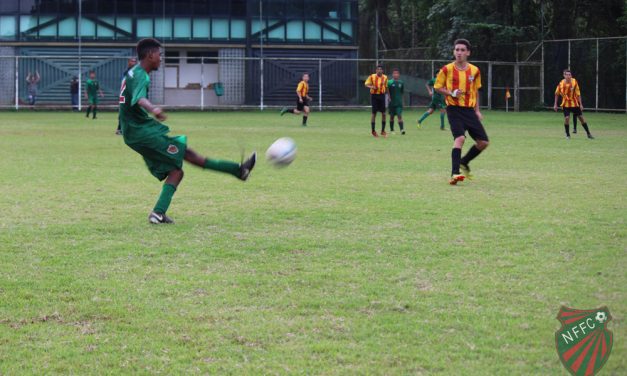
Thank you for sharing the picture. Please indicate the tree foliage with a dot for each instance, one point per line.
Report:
(426, 28)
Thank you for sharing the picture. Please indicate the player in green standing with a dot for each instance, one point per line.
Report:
(396, 88)
(162, 153)
(92, 90)
(437, 103)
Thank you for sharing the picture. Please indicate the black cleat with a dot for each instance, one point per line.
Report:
(159, 218)
(590, 137)
(247, 166)
(575, 131)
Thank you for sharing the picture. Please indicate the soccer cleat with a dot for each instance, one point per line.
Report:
(575, 131)
(283, 111)
(247, 166)
(118, 132)
(418, 125)
(568, 137)
(466, 171)
(590, 137)
(159, 218)
(442, 129)
(384, 134)
(403, 133)
(455, 178)
(374, 133)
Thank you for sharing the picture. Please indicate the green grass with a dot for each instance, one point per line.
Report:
(357, 259)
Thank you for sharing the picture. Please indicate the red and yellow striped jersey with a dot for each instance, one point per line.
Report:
(302, 89)
(570, 93)
(468, 81)
(380, 83)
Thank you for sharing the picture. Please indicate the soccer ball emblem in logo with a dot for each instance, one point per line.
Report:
(601, 317)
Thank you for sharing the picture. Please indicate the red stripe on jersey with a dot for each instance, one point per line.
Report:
(455, 85)
(468, 83)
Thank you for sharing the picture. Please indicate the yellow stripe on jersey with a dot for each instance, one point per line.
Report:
(380, 83)
(569, 92)
(302, 89)
(468, 81)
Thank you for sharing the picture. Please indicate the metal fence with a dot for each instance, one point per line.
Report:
(224, 81)
(236, 82)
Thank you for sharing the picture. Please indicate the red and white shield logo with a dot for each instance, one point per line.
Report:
(172, 149)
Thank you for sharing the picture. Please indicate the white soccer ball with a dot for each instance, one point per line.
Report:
(282, 152)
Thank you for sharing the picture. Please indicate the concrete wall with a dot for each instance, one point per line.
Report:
(7, 76)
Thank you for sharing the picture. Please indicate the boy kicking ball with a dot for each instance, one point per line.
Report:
(163, 154)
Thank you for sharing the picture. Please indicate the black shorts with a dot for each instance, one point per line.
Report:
(571, 110)
(300, 106)
(378, 103)
(464, 119)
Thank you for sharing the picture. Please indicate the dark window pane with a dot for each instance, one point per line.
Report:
(125, 6)
(322, 8)
(238, 8)
(28, 6)
(295, 8)
(220, 8)
(193, 57)
(9, 6)
(172, 57)
(274, 8)
(145, 7)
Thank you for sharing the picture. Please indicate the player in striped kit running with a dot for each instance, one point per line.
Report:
(569, 90)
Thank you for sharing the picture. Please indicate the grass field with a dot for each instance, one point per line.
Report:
(357, 259)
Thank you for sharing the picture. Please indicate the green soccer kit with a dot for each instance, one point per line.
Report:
(396, 88)
(144, 134)
(437, 100)
(92, 90)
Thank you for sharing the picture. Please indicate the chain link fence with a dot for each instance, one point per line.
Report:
(229, 80)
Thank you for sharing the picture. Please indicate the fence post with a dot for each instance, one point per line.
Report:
(489, 85)
(516, 87)
(569, 54)
(596, 93)
(542, 75)
(319, 84)
(432, 68)
(261, 82)
(17, 84)
(202, 84)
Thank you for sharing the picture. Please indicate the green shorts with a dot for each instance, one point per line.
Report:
(437, 104)
(92, 100)
(395, 110)
(162, 154)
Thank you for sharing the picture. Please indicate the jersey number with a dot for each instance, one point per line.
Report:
(122, 97)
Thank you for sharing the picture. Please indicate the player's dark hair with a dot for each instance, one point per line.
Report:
(396, 70)
(379, 66)
(147, 46)
(566, 70)
(465, 42)
(92, 71)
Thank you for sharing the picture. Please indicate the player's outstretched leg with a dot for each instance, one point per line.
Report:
(239, 170)
(474, 151)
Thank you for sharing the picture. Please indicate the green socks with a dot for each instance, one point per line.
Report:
(441, 121)
(424, 116)
(222, 166)
(163, 203)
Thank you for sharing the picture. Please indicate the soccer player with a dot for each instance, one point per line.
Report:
(302, 103)
(130, 63)
(396, 88)
(92, 90)
(459, 82)
(437, 103)
(568, 89)
(163, 154)
(378, 84)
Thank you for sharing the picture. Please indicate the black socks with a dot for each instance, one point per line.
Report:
(456, 156)
(472, 154)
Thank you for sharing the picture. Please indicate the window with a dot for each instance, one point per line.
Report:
(322, 8)
(201, 28)
(105, 31)
(312, 31)
(238, 29)
(219, 29)
(295, 30)
(163, 28)
(182, 28)
(144, 27)
(194, 57)
(172, 57)
(7, 27)
(67, 27)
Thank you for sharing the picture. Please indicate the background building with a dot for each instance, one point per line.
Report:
(46, 34)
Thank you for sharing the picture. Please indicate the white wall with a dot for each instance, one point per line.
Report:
(178, 78)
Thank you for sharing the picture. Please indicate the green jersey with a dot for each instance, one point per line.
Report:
(137, 125)
(437, 97)
(92, 87)
(396, 88)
